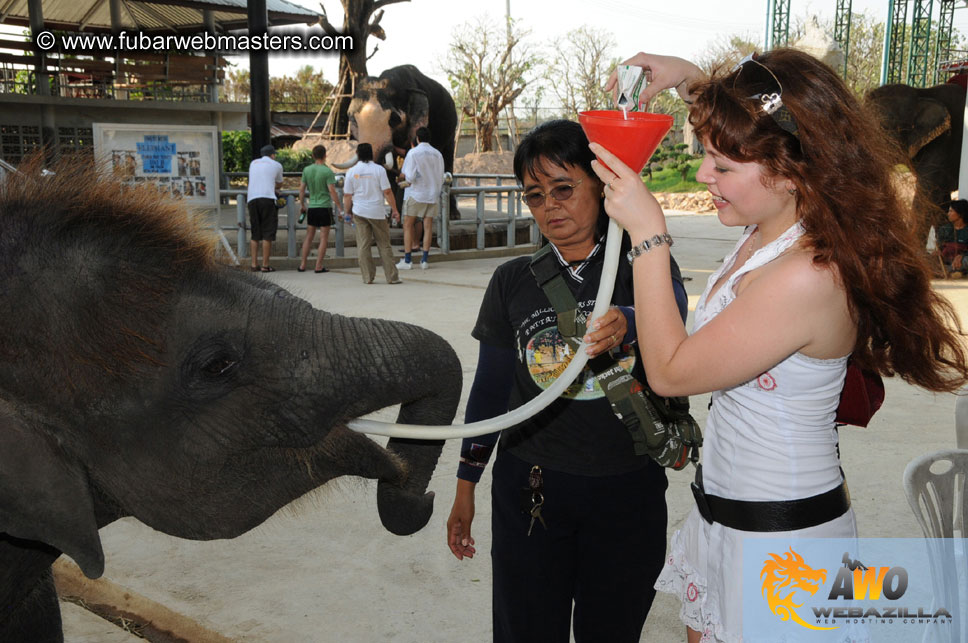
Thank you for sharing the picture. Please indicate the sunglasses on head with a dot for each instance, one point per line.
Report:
(769, 91)
(558, 193)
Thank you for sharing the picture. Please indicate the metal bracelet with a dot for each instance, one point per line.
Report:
(647, 245)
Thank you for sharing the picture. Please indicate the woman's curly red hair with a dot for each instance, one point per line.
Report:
(841, 163)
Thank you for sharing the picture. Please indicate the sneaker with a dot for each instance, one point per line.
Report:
(423, 265)
(403, 264)
(393, 283)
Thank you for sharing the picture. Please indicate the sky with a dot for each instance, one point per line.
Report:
(419, 31)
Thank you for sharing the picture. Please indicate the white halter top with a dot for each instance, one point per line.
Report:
(773, 437)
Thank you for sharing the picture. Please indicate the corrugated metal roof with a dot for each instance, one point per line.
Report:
(151, 15)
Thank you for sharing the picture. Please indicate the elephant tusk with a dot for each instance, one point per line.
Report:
(388, 163)
(518, 415)
(347, 165)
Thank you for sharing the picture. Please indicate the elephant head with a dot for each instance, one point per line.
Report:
(387, 111)
(142, 378)
(927, 125)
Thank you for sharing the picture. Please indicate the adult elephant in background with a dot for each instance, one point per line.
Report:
(928, 124)
(139, 377)
(386, 112)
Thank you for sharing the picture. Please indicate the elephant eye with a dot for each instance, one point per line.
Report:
(395, 119)
(218, 366)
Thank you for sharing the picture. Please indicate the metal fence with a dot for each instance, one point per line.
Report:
(503, 191)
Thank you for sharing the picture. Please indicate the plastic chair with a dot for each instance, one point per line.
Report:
(936, 485)
(961, 419)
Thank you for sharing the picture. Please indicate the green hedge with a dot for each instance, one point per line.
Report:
(236, 150)
(670, 179)
(237, 153)
(293, 161)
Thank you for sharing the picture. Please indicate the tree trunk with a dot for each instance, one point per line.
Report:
(485, 132)
(352, 64)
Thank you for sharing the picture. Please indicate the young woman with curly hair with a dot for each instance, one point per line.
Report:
(828, 268)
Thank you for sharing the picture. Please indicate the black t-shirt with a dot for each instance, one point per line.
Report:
(578, 433)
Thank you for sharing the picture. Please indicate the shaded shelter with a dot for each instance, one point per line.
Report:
(50, 98)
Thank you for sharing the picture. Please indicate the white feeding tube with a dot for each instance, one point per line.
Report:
(421, 432)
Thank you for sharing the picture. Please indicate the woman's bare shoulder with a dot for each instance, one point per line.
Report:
(795, 272)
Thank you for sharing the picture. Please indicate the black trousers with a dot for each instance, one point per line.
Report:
(603, 548)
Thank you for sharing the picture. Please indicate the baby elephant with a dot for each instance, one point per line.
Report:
(139, 377)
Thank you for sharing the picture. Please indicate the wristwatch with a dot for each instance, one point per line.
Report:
(647, 245)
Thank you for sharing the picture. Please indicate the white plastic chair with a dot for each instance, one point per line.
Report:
(936, 489)
(961, 419)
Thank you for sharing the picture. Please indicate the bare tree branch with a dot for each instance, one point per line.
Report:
(325, 23)
(585, 60)
(375, 29)
(382, 3)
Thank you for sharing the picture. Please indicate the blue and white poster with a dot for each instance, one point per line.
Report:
(178, 161)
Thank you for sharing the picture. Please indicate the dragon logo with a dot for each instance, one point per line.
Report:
(784, 577)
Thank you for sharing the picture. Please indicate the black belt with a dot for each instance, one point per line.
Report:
(782, 515)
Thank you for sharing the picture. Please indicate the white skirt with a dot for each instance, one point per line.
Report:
(704, 568)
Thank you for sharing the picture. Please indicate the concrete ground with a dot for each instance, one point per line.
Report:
(324, 570)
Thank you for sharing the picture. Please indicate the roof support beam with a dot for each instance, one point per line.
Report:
(157, 16)
(90, 14)
(259, 78)
(116, 25)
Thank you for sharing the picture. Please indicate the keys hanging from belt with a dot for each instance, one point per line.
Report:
(536, 486)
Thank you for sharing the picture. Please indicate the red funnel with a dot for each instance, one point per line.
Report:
(633, 140)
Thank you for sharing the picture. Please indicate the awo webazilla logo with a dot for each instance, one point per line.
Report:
(799, 592)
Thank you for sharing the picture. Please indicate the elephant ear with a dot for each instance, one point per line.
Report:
(418, 110)
(932, 121)
(45, 496)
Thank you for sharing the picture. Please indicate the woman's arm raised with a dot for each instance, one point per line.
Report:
(787, 306)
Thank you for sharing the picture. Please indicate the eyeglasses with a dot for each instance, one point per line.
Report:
(558, 193)
(770, 95)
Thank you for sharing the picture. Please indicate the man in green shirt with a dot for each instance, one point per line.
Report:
(321, 183)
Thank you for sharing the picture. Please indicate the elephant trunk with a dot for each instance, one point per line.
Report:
(389, 363)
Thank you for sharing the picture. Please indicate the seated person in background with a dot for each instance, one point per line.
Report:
(952, 240)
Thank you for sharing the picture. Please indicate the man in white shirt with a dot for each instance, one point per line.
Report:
(265, 173)
(424, 170)
(365, 188)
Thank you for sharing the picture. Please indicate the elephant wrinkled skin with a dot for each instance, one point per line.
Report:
(141, 378)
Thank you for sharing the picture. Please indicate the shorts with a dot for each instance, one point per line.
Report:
(421, 210)
(263, 219)
(319, 217)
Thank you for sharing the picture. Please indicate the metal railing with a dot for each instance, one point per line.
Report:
(509, 208)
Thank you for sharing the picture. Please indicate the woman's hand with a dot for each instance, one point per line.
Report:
(459, 523)
(661, 72)
(606, 332)
(627, 200)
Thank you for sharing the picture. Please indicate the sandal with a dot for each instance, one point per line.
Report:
(300, 270)
(254, 268)
(268, 269)
(321, 270)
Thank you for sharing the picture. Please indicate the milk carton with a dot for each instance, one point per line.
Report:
(631, 80)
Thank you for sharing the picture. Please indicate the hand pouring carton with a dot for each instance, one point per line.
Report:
(631, 80)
